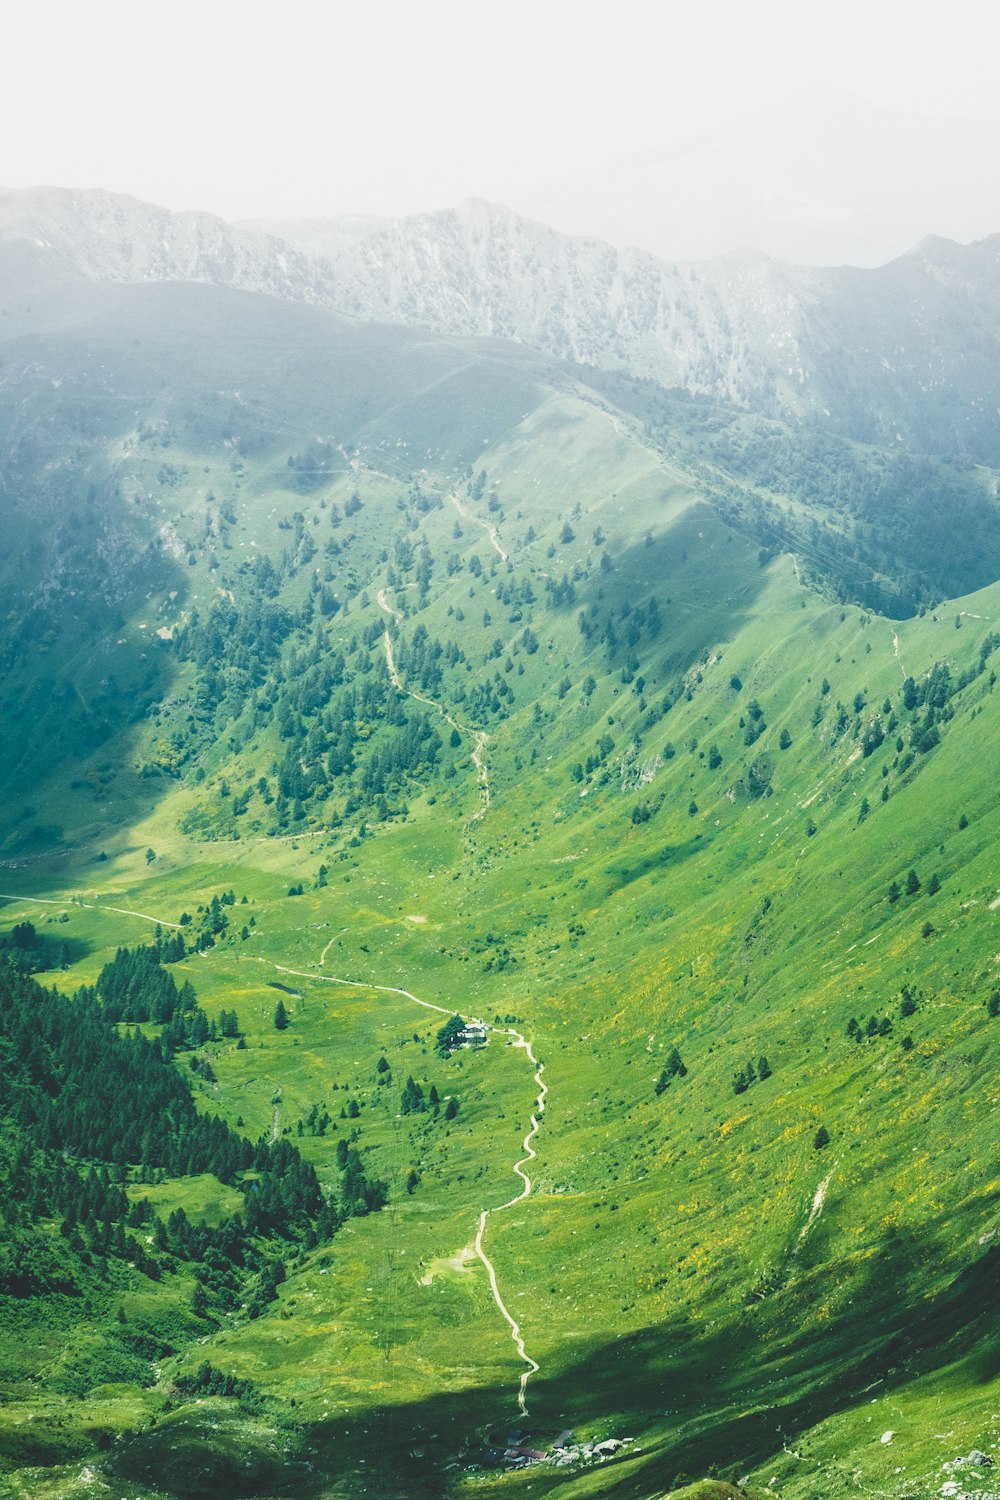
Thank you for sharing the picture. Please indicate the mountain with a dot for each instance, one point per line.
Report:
(824, 180)
(323, 238)
(908, 348)
(902, 353)
(113, 237)
(361, 677)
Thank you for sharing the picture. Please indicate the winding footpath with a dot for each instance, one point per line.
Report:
(519, 1042)
(480, 738)
(487, 526)
(516, 1039)
(530, 1154)
(895, 652)
(122, 911)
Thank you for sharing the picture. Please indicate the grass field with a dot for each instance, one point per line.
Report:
(691, 1270)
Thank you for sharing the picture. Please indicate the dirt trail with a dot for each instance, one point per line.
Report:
(487, 526)
(480, 738)
(519, 1042)
(122, 911)
(384, 604)
(530, 1154)
(816, 1208)
(895, 652)
(336, 935)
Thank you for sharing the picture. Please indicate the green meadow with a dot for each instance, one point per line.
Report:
(731, 810)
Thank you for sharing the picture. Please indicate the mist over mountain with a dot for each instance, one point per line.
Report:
(908, 348)
(904, 352)
(822, 180)
(113, 237)
(325, 238)
(499, 985)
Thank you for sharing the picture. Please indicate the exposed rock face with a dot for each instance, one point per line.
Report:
(903, 352)
(112, 237)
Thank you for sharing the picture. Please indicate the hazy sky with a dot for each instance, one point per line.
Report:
(293, 108)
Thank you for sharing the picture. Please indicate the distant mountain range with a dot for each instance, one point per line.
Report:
(906, 352)
(418, 664)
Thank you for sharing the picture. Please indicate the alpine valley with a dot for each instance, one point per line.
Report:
(500, 926)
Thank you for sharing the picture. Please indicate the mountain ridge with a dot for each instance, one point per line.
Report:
(287, 593)
(905, 349)
(745, 328)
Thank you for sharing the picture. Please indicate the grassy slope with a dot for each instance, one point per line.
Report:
(660, 1273)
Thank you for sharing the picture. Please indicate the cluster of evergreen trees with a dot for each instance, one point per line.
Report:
(24, 948)
(900, 550)
(450, 1035)
(673, 1068)
(261, 662)
(621, 633)
(317, 1122)
(872, 1028)
(208, 1381)
(135, 989)
(359, 1194)
(415, 1102)
(82, 1086)
(213, 924)
(420, 658)
(85, 1107)
(749, 1075)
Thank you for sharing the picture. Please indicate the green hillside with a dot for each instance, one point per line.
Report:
(353, 669)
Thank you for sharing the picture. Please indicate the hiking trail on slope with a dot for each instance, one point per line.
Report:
(520, 1043)
(480, 737)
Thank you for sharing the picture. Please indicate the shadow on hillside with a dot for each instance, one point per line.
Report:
(705, 578)
(733, 1397)
(661, 858)
(84, 582)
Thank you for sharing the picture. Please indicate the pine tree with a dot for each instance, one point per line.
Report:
(675, 1064)
(413, 1098)
(280, 1016)
(447, 1037)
